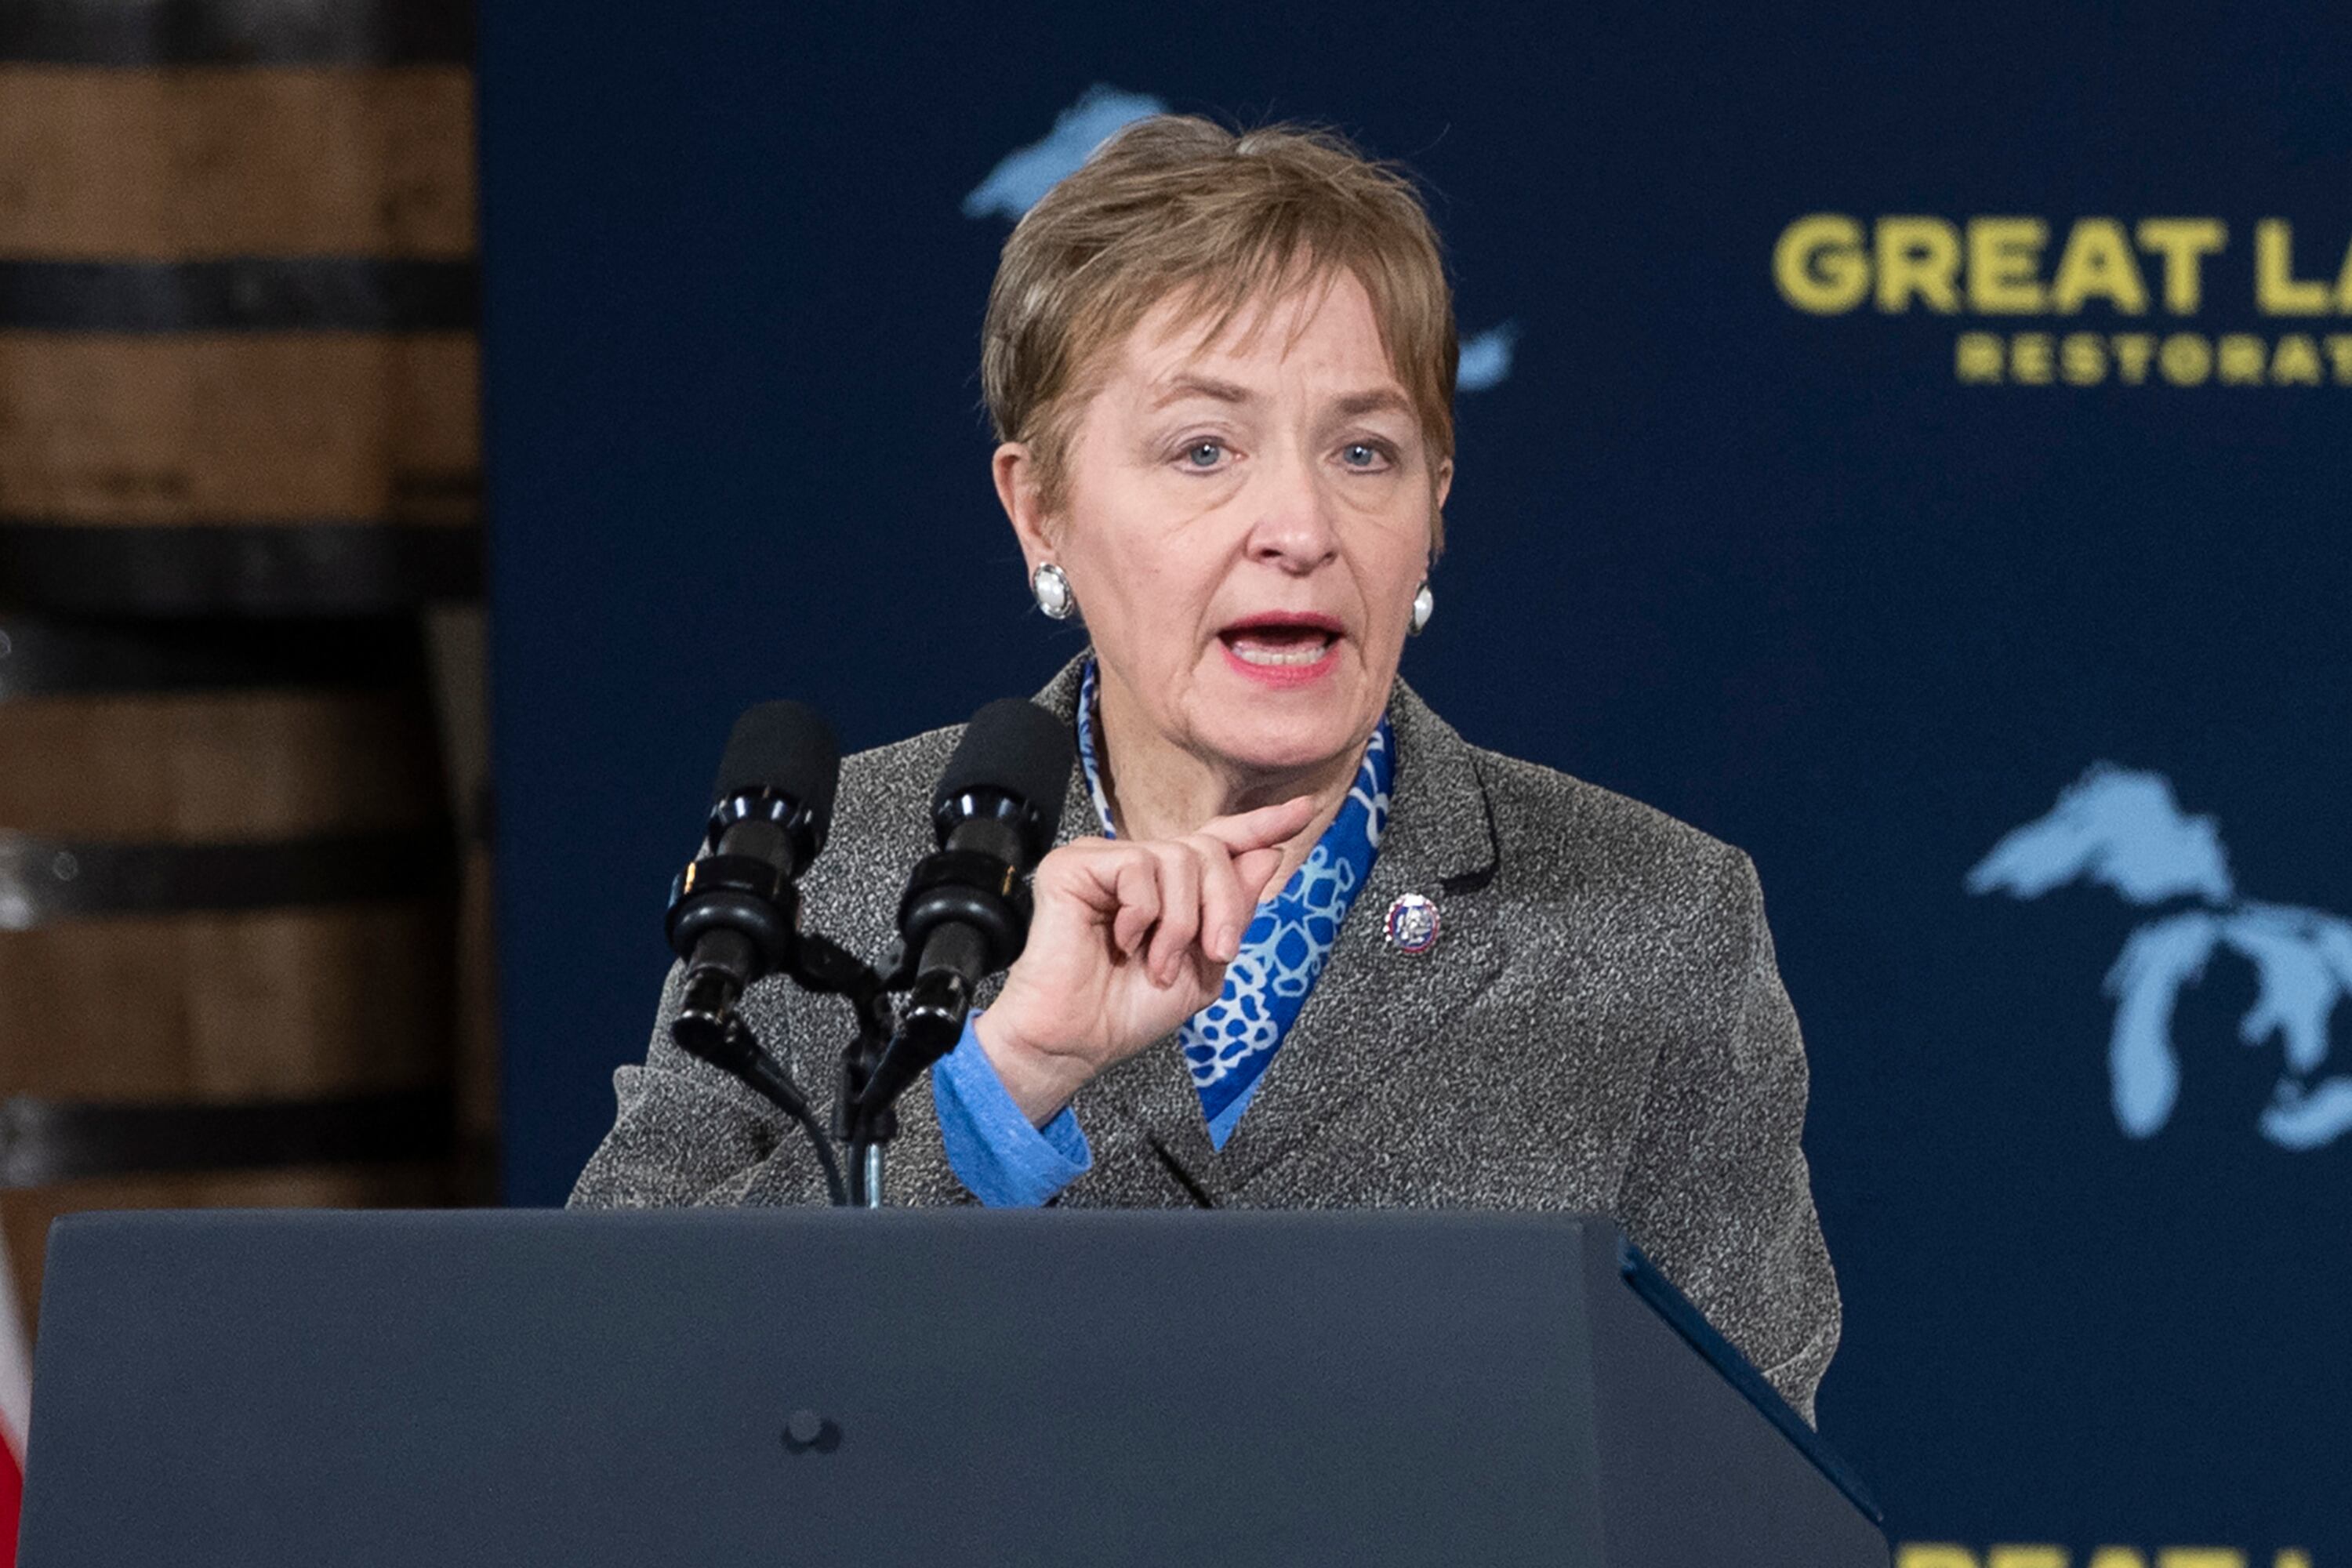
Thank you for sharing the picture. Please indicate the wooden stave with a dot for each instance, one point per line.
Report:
(222, 428)
(196, 163)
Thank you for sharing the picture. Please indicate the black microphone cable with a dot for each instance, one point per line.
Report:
(767, 1076)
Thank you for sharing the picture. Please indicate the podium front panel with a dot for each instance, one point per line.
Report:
(856, 1388)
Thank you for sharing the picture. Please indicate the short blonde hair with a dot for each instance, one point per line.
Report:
(1176, 207)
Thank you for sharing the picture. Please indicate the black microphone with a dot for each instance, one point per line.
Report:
(965, 914)
(734, 914)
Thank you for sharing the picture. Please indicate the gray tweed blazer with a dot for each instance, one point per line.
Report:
(1600, 1028)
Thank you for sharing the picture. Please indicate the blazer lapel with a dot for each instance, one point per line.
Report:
(1376, 1005)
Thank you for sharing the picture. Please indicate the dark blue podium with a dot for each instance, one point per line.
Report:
(932, 1387)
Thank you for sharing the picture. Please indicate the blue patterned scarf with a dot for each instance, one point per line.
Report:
(1228, 1044)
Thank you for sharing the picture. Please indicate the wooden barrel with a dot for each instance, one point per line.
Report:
(240, 456)
(226, 920)
(238, 300)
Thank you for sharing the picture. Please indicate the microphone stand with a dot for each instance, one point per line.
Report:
(866, 1130)
(710, 1026)
(933, 967)
(824, 967)
(865, 1127)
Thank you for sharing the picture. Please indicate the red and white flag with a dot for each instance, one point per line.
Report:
(15, 1412)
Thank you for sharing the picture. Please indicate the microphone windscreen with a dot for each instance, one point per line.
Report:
(786, 747)
(1014, 748)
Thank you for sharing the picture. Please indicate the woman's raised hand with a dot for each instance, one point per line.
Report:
(1128, 940)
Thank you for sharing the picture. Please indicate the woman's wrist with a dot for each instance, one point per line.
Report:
(1040, 1082)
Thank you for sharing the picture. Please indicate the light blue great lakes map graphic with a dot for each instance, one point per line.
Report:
(2121, 828)
(1026, 173)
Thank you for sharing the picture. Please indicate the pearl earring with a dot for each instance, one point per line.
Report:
(1052, 591)
(1423, 604)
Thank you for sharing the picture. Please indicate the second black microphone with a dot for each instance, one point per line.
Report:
(965, 914)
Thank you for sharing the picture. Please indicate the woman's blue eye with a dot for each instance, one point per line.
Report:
(1204, 453)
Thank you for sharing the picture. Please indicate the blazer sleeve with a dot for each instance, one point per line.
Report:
(1716, 1190)
(687, 1134)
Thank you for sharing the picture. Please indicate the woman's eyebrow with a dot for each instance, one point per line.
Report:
(1188, 384)
(1380, 400)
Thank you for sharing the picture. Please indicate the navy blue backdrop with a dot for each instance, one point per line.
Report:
(1853, 542)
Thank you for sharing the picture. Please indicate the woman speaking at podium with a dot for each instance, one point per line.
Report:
(1299, 944)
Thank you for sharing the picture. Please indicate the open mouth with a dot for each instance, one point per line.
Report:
(1282, 643)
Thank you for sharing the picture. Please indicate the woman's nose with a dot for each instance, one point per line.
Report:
(1293, 526)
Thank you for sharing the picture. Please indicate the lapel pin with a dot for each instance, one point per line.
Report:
(1412, 923)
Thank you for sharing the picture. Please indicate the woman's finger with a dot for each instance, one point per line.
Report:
(1253, 868)
(1266, 827)
(1086, 870)
(1180, 910)
(1136, 884)
(1225, 905)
